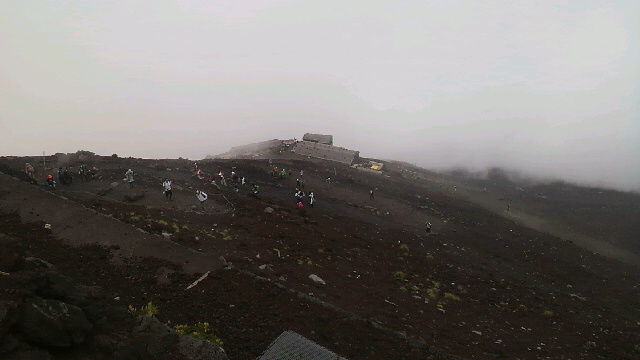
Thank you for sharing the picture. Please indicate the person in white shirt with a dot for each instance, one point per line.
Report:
(202, 196)
(167, 189)
(312, 198)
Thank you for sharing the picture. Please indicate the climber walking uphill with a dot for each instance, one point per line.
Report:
(202, 197)
(28, 168)
(312, 198)
(128, 177)
(50, 181)
(167, 189)
(428, 226)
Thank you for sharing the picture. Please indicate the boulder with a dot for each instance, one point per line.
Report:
(62, 288)
(198, 349)
(53, 323)
(8, 316)
(268, 210)
(31, 354)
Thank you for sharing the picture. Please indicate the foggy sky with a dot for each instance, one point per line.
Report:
(550, 87)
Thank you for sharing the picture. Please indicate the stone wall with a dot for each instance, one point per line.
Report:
(326, 152)
(318, 138)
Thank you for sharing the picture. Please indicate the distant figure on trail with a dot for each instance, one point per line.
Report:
(255, 189)
(223, 181)
(283, 174)
(200, 174)
(242, 181)
(128, 176)
(371, 195)
(168, 193)
(83, 171)
(297, 183)
(50, 181)
(428, 225)
(329, 182)
(312, 198)
(302, 184)
(508, 207)
(29, 170)
(202, 197)
(234, 177)
(301, 173)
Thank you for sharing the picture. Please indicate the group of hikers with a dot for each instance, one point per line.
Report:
(63, 175)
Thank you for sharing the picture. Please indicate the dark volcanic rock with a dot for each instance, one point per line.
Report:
(31, 354)
(8, 316)
(53, 323)
(62, 288)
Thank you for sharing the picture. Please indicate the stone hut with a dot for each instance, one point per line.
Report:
(318, 138)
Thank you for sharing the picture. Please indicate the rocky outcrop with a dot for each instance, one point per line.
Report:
(45, 315)
(53, 323)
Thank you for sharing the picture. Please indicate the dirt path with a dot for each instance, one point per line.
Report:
(92, 227)
(519, 213)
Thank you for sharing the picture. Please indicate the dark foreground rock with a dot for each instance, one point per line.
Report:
(45, 315)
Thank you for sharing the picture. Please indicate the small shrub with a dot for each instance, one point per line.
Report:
(199, 330)
(433, 292)
(227, 238)
(399, 275)
(430, 257)
(403, 289)
(404, 248)
(162, 222)
(451, 296)
(176, 228)
(548, 313)
(149, 310)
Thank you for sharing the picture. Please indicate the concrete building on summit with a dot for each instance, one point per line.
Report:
(318, 138)
(321, 147)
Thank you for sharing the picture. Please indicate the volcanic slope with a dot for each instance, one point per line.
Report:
(480, 285)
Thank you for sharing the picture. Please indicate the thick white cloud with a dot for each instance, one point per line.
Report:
(550, 86)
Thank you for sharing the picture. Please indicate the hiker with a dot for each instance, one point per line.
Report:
(222, 179)
(128, 176)
(301, 184)
(243, 181)
(50, 181)
(202, 197)
(255, 188)
(168, 193)
(200, 174)
(371, 195)
(65, 177)
(29, 170)
(428, 225)
(508, 207)
(298, 196)
(312, 198)
(82, 171)
(329, 182)
(283, 174)
(297, 183)
(59, 175)
(301, 173)
(211, 180)
(234, 177)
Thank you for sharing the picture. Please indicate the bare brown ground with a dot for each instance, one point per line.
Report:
(483, 285)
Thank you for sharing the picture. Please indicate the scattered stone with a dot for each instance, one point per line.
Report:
(316, 279)
(262, 267)
(268, 210)
(114, 184)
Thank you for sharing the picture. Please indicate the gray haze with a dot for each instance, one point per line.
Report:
(549, 88)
